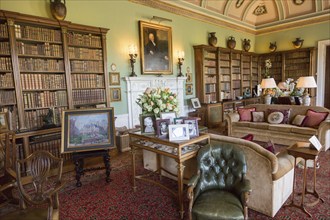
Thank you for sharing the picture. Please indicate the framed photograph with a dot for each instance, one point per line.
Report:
(4, 121)
(156, 48)
(179, 120)
(87, 130)
(115, 94)
(168, 115)
(114, 79)
(148, 123)
(162, 127)
(189, 89)
(192, 126)
(195, 103)
(178, 132)
(189, 78)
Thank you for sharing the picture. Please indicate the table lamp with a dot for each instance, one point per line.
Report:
(306, 82)
(268, 83)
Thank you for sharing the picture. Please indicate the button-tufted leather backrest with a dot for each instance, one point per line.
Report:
(221, 166)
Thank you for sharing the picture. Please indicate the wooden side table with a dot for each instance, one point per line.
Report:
(302, 149)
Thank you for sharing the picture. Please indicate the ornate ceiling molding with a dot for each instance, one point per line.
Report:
(200, 11)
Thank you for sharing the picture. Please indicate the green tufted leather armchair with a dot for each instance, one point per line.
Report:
(219, 190)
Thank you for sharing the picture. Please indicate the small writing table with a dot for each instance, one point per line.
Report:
(78, 159)
(180, 151)
(303, 150)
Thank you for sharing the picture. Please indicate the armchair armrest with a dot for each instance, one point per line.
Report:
(242, 187)
(230, 118)
(190, 192)
(323, 133)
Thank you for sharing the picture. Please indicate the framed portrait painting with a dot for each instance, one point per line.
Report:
(87, 130)
(115, 94)
(189, 89)
(114, 78)
(162, 128)
(156, 48)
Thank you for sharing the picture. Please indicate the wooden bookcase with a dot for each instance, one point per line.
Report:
(48, 66)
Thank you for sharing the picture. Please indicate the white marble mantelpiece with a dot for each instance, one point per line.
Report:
(137, 85)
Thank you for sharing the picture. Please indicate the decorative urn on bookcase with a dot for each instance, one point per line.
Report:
(58, 9)
(213, 39)
(231, 42)
(246, 45)
(272, 46)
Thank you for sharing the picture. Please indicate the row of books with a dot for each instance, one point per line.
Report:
(37, 33)
(31, 64)
(85, 53)
(246, 58)
(298, 55)
(50, 143)
(224, 71)
(35, 118)
(210, 79)
(4, 48)
(210, 55)
(236, 63)
(246, 77)
(236, 76)
(44, 99)
(246, 65)
(224, 63)
(224, 56)
(7, 97)
(224, 77)
(210, 70)
(210, 63)
(236, 84)
(246, 83)
(210, 88)
(84, 39)
(301, 66)
(88, 95)
(225, 86)
(42, 49)
(246, 72)
(87, 80)
(3, 30)
(6, 80)
(12, 116)
(235, 56)
(42, 81)
(295, 74)
(86, 66)
(210, 97)
(5, 63)
(297, 61)
(236, 70)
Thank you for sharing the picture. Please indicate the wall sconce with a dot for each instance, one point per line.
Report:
(181, 59)
(132, 52)
(298, 43)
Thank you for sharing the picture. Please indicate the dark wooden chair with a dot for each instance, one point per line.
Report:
(45, 171)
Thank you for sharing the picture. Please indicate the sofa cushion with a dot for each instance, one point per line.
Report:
(285, 164)
(245, 114)
(242, 124)
(315, 118)
(299, 120)
(304, 130)
(262, 125)
(285, 112)
(258, 116)
(281, 128)
(275, 118)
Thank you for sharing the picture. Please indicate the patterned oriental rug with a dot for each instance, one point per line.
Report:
(98, 200)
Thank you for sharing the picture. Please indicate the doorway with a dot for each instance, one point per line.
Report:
(327, 79)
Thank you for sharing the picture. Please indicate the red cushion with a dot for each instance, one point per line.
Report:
(248, 137)
(314, 118)
(245, 114)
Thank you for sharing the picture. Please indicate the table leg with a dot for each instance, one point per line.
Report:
(180, 187)
(79, 170)
(133, 167)
(158, 165)
(314, 192)
(304, 190)
(106, 159)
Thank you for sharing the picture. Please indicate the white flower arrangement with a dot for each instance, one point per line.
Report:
(268, 65)
(158, 100)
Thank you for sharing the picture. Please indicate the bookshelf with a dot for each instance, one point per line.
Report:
(48, 66)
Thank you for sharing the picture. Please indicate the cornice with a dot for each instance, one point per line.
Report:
(281, 25)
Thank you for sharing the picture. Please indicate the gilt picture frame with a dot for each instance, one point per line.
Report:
(114, 78)
(115, 94)
(87, 130)
(4, 122)
(156, 48)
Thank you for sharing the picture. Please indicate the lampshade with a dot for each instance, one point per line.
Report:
(306, 82)
(268, 83)
(282, 85)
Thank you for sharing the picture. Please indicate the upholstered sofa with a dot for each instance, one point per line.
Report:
(285, 134)
(271, 175)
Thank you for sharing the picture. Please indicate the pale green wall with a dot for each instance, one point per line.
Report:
(121, 17)
(310, 33)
